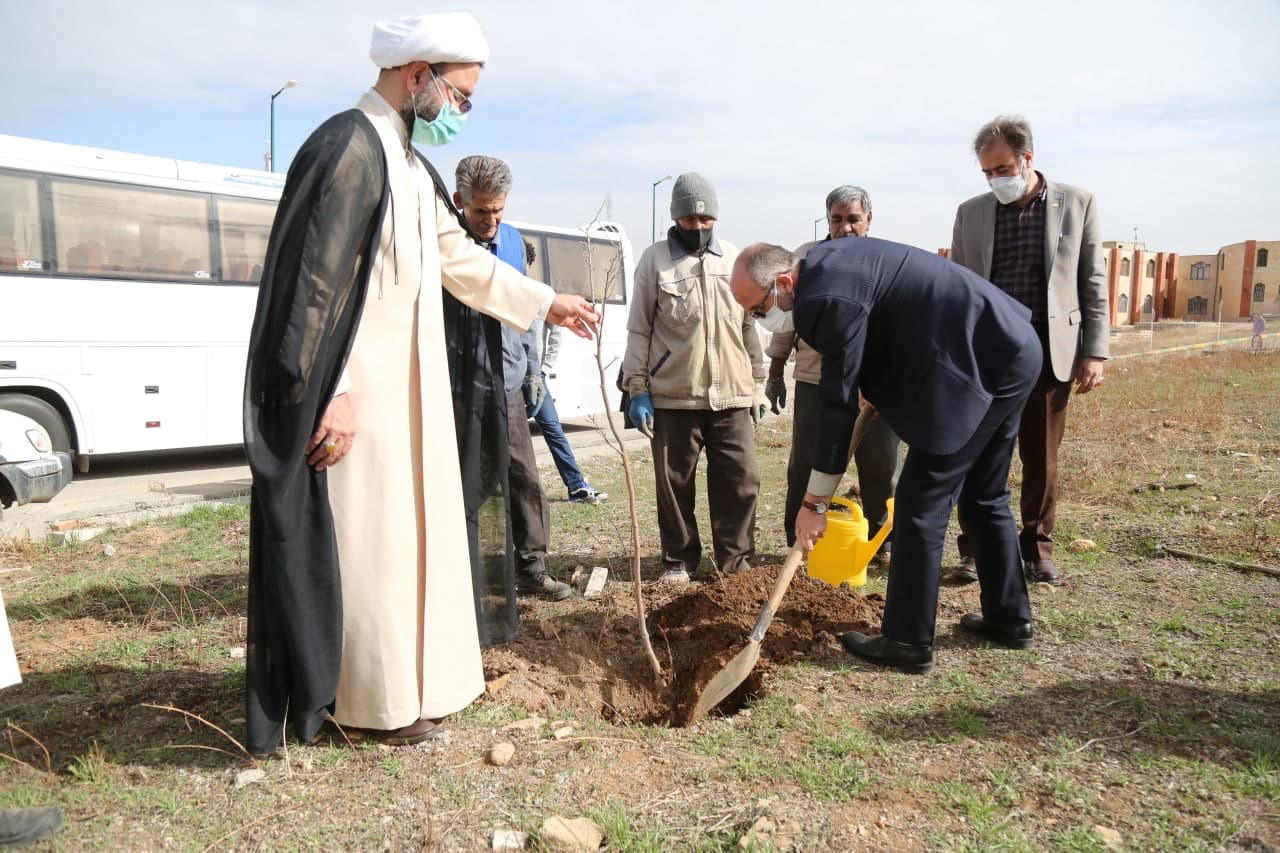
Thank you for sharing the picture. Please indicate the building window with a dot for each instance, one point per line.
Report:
(1259, 292)
(1124, 266)
(1122, 304)
(1151, 269)
(1200, 271)
(1222, 260)
(1197, 305)
(1262, 257)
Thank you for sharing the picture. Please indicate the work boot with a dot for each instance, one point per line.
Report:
(24, 826)
(544, 586)
(1043, 571)
(966, 572)
(1016, 635)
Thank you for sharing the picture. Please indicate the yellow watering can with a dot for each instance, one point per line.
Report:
(843, 552)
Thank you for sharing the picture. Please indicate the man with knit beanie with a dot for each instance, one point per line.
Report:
(695, 373)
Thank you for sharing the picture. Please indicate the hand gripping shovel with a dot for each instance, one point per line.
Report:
(736, 671)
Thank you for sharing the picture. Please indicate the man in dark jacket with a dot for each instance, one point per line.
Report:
(948, 360)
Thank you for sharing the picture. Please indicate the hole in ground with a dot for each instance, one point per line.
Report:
(589, 659)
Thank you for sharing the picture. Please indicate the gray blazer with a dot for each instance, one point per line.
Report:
(1078, 299)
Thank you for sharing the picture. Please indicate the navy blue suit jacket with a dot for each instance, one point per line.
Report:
(927, 341)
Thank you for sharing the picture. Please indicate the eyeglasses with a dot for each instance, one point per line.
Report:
(463, 103)
(759, 311)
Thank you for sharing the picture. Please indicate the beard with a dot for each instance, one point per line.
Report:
(426, 104)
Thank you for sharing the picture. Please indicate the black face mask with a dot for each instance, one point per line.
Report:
(694, 240)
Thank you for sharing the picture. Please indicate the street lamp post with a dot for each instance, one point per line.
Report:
(815, 225)
(271, 140)
(653, 210)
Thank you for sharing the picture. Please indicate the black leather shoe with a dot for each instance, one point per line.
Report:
(1016, 636)
(906, 657)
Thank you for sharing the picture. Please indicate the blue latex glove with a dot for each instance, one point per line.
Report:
(641, 413)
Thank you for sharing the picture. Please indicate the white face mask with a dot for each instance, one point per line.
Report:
(777, 321)
(1010, 189)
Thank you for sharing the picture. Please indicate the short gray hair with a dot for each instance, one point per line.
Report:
(848, 194)
(478, 173)
(763, 262)
(1013, 130)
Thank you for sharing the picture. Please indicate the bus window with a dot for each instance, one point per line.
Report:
(20, 244)
(566, 258)
(244, 226)
(114, 229)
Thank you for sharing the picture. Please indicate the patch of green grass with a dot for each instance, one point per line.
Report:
(832, 780)
(749, 765)
(716, 742)
(627, 832)
(91, 768)
(392, 766)
(1077, 839)
(965, 722)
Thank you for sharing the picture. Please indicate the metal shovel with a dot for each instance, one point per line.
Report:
(736, 671)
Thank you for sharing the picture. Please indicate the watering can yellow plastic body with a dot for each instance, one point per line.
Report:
(843, 552)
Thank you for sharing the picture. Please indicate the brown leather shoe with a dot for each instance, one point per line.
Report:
(408, 735)
(1043, 571)
(966, 572)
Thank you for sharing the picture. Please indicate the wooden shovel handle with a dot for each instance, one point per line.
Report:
(779, 590)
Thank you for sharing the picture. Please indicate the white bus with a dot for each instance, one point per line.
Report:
(128, 286)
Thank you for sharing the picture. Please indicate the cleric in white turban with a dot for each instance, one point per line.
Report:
(448, 37)
(363, 525)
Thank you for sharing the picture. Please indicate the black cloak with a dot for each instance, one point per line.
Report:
(319, 259)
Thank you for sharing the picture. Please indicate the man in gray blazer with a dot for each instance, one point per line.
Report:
(1040, 242)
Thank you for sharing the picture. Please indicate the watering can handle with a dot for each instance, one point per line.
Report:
(885, 529)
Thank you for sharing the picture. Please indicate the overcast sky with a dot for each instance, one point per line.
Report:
(1169, 111)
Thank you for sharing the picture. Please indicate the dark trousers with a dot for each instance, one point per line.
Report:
(548, 421)
(976, 479)
(733, 484)
(530, 515)
(1044, 421)
(877, 459)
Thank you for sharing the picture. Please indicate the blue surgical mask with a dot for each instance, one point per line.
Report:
(443, 128)
(440, 130)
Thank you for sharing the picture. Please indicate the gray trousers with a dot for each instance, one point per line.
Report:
(877, 459)
(530, 515)
(733, 485)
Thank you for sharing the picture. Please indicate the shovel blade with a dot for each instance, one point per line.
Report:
(727, 680)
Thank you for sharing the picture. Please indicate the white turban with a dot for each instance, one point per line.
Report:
(448, 37)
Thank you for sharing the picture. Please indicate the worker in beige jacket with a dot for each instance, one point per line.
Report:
(877, 457)
(694, 371)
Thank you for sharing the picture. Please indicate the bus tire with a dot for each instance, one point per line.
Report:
(42, 413)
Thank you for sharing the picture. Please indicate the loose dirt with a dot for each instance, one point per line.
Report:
(591, 661)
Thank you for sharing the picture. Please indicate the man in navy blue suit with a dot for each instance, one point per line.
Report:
(949, 361)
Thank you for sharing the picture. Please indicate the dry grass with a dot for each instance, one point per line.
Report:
(1150, 705)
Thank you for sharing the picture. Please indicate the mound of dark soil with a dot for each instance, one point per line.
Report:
(590, 660)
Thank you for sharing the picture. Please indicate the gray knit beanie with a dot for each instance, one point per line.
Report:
(693, 195)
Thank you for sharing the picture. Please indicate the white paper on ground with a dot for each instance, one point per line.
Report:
(9, 674)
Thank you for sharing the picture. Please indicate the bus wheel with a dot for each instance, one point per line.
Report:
(42, 413)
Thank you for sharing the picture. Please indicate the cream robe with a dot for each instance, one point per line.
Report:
(410, 645)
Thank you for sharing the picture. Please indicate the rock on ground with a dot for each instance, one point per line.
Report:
(576, 835)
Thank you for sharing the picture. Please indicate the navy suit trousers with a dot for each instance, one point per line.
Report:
(976, 479)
